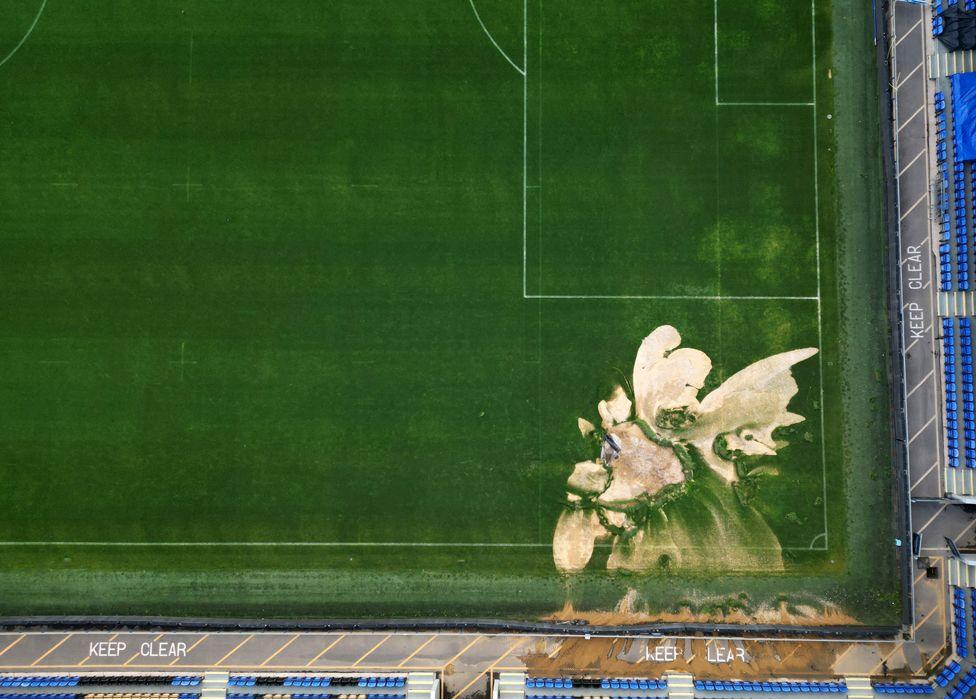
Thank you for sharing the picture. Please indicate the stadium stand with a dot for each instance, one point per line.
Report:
(902, 688)
(951, 394)
(942, 161)
(964, 686)
(40, 681)
(960, 622)
(300, 681)
(770, 687)
(313, 696)
(954, 23)
(948, 673)
(589, 683)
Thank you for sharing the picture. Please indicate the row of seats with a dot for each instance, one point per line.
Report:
(964, 686)
(938, 7)
(232, 695)
(592, 696)
(569, 683)
(549, 682)
(938, 21)
(633, 684)
(902, 688)
(779, 687)
(947, 674)
(140, 695)
(968, 397)
(318, 681)
(960, 622)
(175, 680)
(945, 222)
(40, 681)
(382, 682)
(952, 395)
(952, 219)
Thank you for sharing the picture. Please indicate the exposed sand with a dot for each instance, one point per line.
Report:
(622, 616)
(748, 407)
(745, 410)
(575, 538)
(628, 657)
(643, 467)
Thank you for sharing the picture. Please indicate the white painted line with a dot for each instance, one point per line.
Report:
(673, 297)
(913, 161)
(816, 219)
(912, 207)
(492, 40)
(764, 104)
(931, 420)
(336, 544)
(30, 30)
(933, 518)
(965, 529)
(715, 42)
(907, 77)
(927, 376)
(924, 333)
(914, 27)
(525, 148)
(909, 119)
(924, 476)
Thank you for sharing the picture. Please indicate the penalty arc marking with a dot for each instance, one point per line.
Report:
(23, 39)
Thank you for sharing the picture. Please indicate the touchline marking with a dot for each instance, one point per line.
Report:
(492, 40)
(764, 104)
(816, 219)
(30, 30)
(338, 544)
(715, 15)
(672, 297)
(525, 148)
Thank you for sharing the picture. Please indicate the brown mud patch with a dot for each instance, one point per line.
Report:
(625, 616)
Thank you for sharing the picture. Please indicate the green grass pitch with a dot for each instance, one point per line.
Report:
(300, 301)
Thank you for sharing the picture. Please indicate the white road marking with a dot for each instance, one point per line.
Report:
(908, 77)
(927, 376)
(931, 420)
(908, 120)
(914, 27)
(913, 161)
(912, 207)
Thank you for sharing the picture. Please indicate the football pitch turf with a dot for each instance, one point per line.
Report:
(302, 300)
